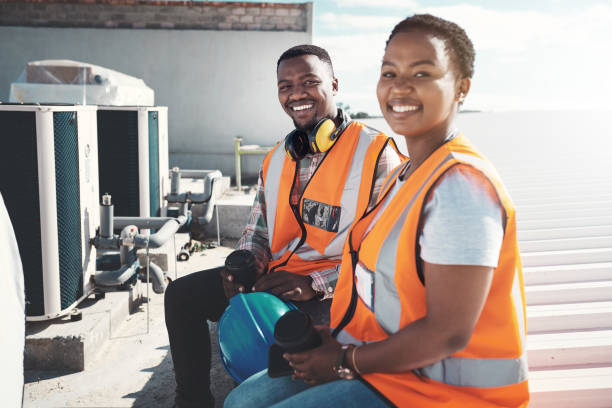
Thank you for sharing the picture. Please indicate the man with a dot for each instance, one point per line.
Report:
(309, 188)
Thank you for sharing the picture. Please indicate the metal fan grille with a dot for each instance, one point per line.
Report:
(154, 164)
(118, 159)
(68, 206)
(19, 187)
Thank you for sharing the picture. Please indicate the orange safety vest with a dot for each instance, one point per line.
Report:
(310, 236)
(492, 370)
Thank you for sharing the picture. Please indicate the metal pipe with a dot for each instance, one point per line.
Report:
(237, 142)
(198, 198)
(208, 214)
(175, 180)
(118, 276)
(106, 217)
(162, 235)
(157, 278)
(127, 251)
(195, 174)
(141, 222)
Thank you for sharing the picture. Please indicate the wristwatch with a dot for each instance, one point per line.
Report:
(343, 372)
(318, 292)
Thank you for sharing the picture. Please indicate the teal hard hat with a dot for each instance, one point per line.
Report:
(246, 332)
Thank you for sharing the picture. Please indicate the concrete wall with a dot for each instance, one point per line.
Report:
(218, 80)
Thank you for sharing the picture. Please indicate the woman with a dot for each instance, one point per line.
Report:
(429, 307)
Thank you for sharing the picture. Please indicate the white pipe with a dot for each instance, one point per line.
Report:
(48, 211)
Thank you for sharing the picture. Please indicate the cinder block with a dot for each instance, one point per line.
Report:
(282, 12)
(239, 11)
(246, 19)
(223, 11)
(253, 11)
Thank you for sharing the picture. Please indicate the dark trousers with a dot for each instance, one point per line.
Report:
(189, 303)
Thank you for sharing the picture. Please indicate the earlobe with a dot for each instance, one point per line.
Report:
(463, 89)
(464, 86)
(335, 85)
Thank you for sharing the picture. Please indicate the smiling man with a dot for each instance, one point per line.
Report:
(312, 186)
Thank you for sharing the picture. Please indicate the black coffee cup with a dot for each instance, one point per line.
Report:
(241, 264)
(294, 332)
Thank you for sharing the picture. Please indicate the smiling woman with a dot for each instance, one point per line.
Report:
(429, 309)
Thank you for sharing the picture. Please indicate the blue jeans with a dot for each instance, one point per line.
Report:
(259, 390)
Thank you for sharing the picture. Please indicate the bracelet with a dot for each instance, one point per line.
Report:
(353, 360)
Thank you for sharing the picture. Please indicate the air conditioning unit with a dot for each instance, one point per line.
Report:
(49, 168)
(133, 158)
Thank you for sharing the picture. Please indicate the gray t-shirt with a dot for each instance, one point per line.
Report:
(463, 219)
(463, 222)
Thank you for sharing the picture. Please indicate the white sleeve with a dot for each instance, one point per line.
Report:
(12, 317)
(463, 220)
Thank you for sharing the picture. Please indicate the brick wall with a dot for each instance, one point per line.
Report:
(141, 14)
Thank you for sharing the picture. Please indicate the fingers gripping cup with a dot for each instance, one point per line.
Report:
(293, 333)
(241, 264)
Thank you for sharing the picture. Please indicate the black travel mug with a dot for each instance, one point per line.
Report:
(241, 264)
(294, 332)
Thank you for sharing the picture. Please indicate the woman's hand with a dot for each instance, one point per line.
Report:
(316, 366)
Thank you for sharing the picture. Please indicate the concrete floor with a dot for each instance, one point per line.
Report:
(134, 368)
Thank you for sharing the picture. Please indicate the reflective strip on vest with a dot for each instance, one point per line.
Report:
(387, 307)
(348, 201)
(271, 187)
(459, 371)
(477, 372)
(391, 179)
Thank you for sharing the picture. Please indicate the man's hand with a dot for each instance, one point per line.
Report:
(285, 285)
(316, 366)
(230, 287)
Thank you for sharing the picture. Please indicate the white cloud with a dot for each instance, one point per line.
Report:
(379, 23)
(404, 4)
(525, 59)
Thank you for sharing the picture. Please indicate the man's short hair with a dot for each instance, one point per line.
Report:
(307, 49)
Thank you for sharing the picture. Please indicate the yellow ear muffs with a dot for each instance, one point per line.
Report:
(296, 145)
(322, 137)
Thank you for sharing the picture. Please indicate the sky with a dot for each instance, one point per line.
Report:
(530, 54)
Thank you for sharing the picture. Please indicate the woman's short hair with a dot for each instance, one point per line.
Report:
(456, 40)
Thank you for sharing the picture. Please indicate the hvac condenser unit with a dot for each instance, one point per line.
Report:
(49, 181)
(133, 158)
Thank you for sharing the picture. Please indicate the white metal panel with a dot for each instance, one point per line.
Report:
(48, 211)
(89, 187)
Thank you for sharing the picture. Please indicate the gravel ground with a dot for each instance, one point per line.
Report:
(134, 368)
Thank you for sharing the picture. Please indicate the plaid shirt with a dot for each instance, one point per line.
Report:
(255, 235)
